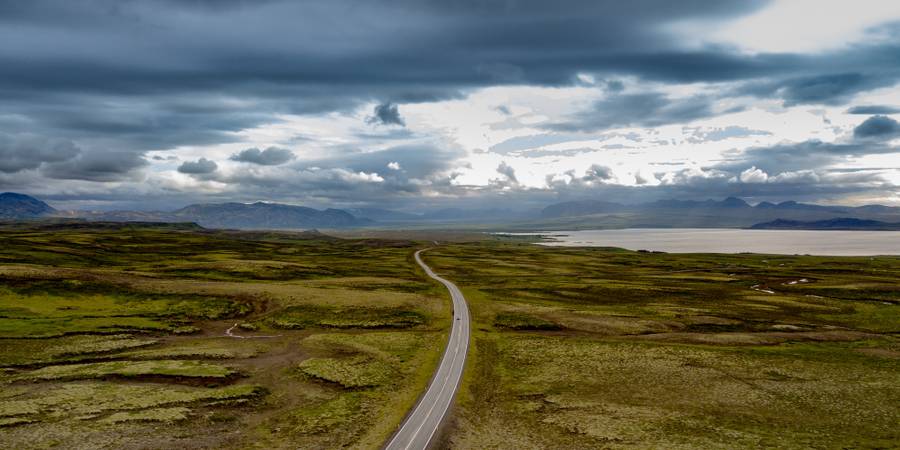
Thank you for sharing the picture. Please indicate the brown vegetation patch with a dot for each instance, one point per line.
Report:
(605, 325)
(880, 352)
(762, 338)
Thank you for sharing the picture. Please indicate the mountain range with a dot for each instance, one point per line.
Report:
(591, 207)
(259, 215)
(840, 223)
(731, 212)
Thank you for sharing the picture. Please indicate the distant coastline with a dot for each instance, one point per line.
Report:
(731, 240)
(837, 224)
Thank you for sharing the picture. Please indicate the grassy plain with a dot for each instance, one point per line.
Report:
(606, 348)
(172, 336)
(137, 336)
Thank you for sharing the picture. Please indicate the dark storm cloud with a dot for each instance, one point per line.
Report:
(151, 47)
(815, 79)
(341, 51)
(873, 109)
(97, 165)
(120, 63)
(598, 173)
(314, 56)
(271, 156)
(138, 122)
(19, 153)
(877, 127)
(202, 166)
(832, 89)
(614, 86)
(134, 76)
(805, 155)
(642, 109)
(386, 114)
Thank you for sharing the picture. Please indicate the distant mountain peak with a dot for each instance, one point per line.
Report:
(734, 202)
(20, 206)
(264, 215)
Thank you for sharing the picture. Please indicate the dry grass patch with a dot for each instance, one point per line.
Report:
(395, 346)
(352, 372)
(16, 352)
(625, 395)
(91, 399)
(167, 415)
(603, 324)
(129, 369)
(763, 338)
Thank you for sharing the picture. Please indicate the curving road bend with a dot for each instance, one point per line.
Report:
(422, 424)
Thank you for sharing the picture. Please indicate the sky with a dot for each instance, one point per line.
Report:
(425, 104)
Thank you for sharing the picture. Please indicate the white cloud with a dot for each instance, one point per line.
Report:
(799, 176)
(586, 78)
(753, 175)
(669, 155)
(366, 177)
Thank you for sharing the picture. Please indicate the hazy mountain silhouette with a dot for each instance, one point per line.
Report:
(21, 206)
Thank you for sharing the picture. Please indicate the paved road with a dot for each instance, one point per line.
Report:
(422, 424)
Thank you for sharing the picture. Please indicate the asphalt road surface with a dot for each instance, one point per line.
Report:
(422, 424)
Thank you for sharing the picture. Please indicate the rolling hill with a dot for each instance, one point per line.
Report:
(21, 206)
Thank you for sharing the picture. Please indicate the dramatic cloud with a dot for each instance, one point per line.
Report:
(753, 175)
(99, 166)
(645, 109)
(873, 109)
(200, 167)
(521, 101)
(271, 156)
(799, 156)
(30, 152)
(598, 173)
(828, 89)
(387, 114)
(880, 127)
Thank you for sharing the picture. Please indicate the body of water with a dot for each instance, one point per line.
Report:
(714, 240)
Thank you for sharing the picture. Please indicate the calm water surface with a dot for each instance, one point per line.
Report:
(712, 240)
